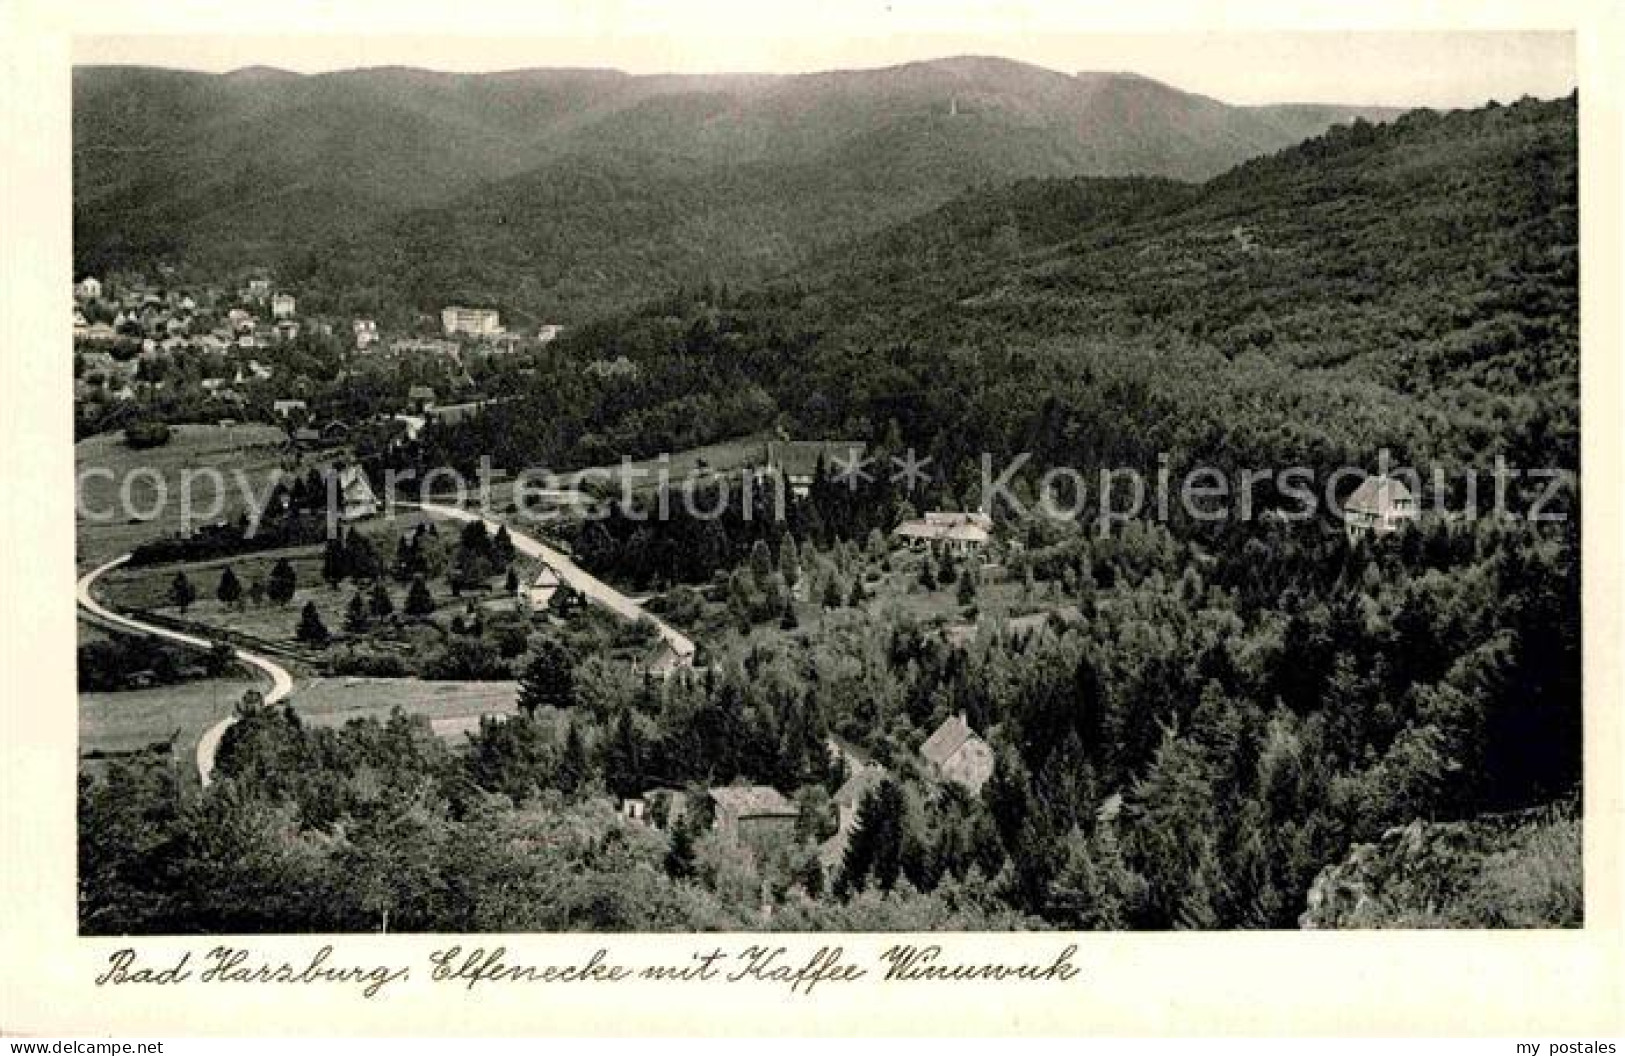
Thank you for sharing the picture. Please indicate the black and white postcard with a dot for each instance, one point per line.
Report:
(583, 522)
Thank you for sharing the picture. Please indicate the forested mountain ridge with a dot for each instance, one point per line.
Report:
(1198, 724)
(511, 185)
(1411, 286)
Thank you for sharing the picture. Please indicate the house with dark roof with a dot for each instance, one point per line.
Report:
(1381, 504)
(796, 461)
(955, 753)
(752, 815)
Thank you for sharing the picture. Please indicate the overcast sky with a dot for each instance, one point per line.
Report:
(1440, 69)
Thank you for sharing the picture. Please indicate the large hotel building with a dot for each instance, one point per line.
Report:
(477, 322)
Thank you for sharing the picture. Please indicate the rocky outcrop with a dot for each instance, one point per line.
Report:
(1505, 871)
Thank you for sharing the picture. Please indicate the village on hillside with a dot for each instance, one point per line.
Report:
(1071, 553)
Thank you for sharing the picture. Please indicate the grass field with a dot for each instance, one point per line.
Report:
(700, 462)
(152, 482)
(714, 458)
(114, 723)
(453, 708)
(148, 588)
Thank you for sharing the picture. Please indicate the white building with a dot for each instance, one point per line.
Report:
(539, 594)
(283, 306)
(1379, 505)
(548, 332)
(88, 288)
(356, 497)
(951, 530)
(366, 332)
(476, 322)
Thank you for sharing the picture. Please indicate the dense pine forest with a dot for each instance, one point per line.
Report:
(1210, 713)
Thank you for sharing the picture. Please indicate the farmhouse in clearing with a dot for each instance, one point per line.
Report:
(955, 753)
(539, 594)
(957, 532)
(796, 461)
(1378, 506)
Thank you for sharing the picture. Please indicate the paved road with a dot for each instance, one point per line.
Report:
(209, 744)
(589, 585)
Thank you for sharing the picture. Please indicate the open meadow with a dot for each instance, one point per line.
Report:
(127, 497)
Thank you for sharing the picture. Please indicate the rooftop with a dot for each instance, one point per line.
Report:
(752, 800)
(948, 739)
(1379, 494)
(799, 458)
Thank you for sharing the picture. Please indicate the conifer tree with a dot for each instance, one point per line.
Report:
(789, 560)
(356, 617)
(381, 604)
(181, 592)
(334, 565)
(419, 602)
(575, 769)
(549, 679)
(502, 551)
(624, 757)
(680, 857)
(282, 582)
(311, 630)
(230, 590)
(876, 848)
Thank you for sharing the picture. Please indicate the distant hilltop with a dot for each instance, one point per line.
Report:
(595, 182)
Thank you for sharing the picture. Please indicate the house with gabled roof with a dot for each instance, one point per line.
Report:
(539, 594)
(357, 500)
(752, 814)
(1381, 504)
(960, 532)
(955, 753)
(796, 461)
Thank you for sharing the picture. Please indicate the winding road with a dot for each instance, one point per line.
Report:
(591, 587)
(209, 744)
(579, 579)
